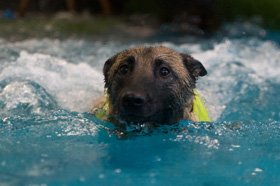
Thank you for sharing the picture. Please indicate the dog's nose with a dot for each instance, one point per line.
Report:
(132, 100)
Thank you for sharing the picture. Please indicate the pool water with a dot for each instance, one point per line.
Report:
(47, 136)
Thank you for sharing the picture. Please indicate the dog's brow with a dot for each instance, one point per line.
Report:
(166, 57)
(159, 61)
(130, 59)
(127, 58)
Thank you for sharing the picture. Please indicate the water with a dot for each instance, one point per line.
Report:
(47, 137)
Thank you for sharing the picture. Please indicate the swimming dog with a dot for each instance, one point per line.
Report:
(151, 85)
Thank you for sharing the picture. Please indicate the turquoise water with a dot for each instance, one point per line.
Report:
(47, 137)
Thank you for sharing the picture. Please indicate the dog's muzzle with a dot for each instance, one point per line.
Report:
(133, 103)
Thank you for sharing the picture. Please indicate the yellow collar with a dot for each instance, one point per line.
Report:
(199, 109)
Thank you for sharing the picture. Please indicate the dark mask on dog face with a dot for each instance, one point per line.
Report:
(151, 84)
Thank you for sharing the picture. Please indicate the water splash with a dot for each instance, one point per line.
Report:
(74, 86)
(241, 69)
(19, 97)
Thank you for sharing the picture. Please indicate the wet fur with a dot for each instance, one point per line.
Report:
(167, 99)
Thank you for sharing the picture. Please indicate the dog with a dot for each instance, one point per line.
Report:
(153, 85)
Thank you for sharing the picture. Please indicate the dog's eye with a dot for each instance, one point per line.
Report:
(164, 71)
(123, 69)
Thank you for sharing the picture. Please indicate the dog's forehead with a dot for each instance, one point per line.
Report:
(152, 53)
(146, 56)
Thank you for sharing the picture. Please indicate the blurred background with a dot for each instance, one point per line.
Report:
(22, 19)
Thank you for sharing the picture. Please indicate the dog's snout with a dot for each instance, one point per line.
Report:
(132, 100)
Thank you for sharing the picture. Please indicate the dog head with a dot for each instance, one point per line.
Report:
(151, 84)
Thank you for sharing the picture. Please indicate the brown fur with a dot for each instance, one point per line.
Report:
(151, 85)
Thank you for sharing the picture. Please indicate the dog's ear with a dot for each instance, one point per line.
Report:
(194, 66)
(107, 66)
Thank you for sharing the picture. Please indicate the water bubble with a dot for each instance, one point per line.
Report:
(101, 176)
(117, 171)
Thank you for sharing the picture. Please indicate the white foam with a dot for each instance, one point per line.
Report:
(94, 53)
(74, 86)
(231, 61)
(18, 92)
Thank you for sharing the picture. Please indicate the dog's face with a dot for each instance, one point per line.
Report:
(151, 84)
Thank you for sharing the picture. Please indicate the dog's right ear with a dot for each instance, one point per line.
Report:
(194, 66)
(107, 66)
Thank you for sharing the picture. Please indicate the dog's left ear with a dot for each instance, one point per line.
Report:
(107, 66)
(194, 66)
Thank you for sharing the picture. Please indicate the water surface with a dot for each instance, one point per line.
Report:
(47, 136)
